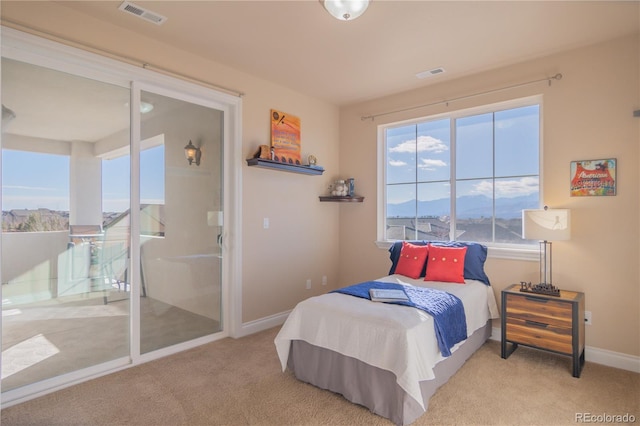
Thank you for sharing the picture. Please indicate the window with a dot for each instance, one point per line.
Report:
(35, 191)
(463, 176)
(115, 187)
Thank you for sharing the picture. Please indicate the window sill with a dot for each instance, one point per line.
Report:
(494, 252)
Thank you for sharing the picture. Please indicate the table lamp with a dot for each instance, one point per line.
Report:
(546, 225)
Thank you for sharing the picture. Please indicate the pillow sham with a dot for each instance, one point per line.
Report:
(473, 262)
(446, 264)
(412, 260)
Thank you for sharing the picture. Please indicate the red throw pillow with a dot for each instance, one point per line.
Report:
(446, 264)
(412, 259)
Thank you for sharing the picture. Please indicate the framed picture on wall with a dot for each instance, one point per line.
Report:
(285, 137)
(593, 177)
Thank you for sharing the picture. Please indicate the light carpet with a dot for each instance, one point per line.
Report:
(239, 382)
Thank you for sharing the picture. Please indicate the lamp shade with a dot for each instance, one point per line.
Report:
(546, 225)
(345, 10)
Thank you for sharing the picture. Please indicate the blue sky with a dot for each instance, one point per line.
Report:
(33, 180)
(423, 152)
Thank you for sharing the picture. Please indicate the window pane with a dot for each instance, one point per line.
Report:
(434, 151)
(434, 211)
(401, 154)
(35, 191)
(512, 196)
(517, 141)
(474, 146)
(474, 210)
(401, 212)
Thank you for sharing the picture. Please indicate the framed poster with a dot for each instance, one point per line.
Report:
(593, 177)
(285, 137)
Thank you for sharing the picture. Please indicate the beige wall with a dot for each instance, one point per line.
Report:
(586, 115)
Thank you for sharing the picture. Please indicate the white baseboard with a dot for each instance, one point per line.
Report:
(262, 324)
(596, 355)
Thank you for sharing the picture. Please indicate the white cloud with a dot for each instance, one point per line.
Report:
(431, 164)
(508, 188)
(425, 144)
(397, 163)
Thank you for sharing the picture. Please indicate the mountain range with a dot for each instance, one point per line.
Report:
(469, 206)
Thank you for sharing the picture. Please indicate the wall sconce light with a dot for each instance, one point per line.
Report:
(192, 153)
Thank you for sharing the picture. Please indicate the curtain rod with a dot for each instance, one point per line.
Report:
(119, 57)
(547, 79)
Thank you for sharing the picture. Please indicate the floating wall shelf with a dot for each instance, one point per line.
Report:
(293, 168)
(347, 199)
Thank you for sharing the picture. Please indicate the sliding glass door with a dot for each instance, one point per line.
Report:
(180, 221)
(112, 236)
(65, 247)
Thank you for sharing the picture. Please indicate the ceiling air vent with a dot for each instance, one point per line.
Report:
(142, 13)
(430, 73)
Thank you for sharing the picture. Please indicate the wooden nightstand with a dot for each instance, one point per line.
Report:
(552, 323)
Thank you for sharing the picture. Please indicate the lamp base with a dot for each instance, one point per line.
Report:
(542, 288)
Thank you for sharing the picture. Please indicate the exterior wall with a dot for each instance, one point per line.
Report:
(586, 115)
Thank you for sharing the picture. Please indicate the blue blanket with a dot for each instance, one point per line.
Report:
(446, 309)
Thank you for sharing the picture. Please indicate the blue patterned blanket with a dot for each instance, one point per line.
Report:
(446, 309)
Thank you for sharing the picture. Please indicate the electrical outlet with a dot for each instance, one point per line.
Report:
(587, 317)
(309, 284)
(324, 280)
(265, 223)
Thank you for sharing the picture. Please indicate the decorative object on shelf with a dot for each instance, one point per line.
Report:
(593, 177)
(276, 165)
(340, 189)
(263, 152)
(546, 225)
(312, 160)
(345, 10)
(548, 289)
(192, 153)
(285, 137)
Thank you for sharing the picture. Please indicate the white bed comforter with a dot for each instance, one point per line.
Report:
(397, 338)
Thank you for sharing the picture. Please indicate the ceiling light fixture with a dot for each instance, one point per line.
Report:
(345, 10)
(145, 107)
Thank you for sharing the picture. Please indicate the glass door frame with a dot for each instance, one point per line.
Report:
(35, 50)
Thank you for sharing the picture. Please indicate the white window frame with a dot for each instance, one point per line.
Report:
(496, 250)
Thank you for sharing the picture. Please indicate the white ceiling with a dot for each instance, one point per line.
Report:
(299, 45)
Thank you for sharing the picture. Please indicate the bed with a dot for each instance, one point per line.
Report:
(386, 356)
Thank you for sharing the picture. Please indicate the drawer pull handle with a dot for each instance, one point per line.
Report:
(536, 324)
(535, 299)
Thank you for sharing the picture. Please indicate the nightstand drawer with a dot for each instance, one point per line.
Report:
(540, 335)
(539, 310)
